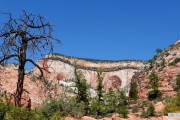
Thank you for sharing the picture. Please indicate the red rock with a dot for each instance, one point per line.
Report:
(70, 118)
(106, 118)
(87, 118)
(117, 118)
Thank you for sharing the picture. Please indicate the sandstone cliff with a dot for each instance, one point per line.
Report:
(59, 72)
(60, 69)
(167, 66)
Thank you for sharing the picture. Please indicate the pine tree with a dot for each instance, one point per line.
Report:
(82, 91)
(100, 85)
(133, 91)
(154, 84)
(177, 88)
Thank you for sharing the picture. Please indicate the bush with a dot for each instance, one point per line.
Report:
(151, 61)
(135, 109)
(172, 105)
(177, 87)
(121, 103)
(57, 116)
(16, 113)
(3, 109)
(63, 107)
(110, 99)
(77, 109)
(97, 109)
(175, 62)
(149, 112)
(122, 111)
(48, 109)
(154, 94)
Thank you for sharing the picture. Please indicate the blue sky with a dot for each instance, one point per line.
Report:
(107, 29)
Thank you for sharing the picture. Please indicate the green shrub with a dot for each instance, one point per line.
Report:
(77, 109)
(135, 109)
(175, 62)
(57, 116)
(98, 109)
(110, 99)
(158, 51)
(16, 113)
(177, 87)
(3, 109)
(121, 102)
(154, 94)
(149, 112)
(63, 107)
(151, 61)
(123, 111)
(172, 105)
(50, 108)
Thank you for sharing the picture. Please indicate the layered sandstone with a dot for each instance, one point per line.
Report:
(166, 71)
(116, 74)
(58, 71)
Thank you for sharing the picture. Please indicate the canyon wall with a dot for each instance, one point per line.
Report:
(117, 74)
(59, 72)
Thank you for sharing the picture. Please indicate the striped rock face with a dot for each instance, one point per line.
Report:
(60, 69)
(116, 74)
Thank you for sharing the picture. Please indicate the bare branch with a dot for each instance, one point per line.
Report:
(40, 68)
(37, 37)
(23, 37)
(8, 57)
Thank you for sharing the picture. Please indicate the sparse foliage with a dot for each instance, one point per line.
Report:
(133, 91)
(149, 112)
(82, 91)
(172, 105)
(177, 87)
(158, 50)
(175, 62)
(22, 38)
(154, 84)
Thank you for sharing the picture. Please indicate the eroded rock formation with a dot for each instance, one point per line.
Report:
(59, 69)
(117, 74)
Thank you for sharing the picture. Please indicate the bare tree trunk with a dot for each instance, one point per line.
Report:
(21, 73)
(27, 35)
(19, 89)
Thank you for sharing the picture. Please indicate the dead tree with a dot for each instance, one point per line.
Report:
(22, 38)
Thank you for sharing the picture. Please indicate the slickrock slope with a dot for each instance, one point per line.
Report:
(167, 66)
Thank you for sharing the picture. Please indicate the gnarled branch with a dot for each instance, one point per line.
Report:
(8, 57)
(40, 68)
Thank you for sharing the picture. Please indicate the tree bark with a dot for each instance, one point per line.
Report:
(19, 89)
(21, 73)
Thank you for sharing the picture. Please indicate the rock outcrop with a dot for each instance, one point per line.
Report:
(167, 66)
(58, 71)
(117, 74)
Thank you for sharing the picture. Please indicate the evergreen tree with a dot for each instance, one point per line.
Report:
(133, 91)
(177, 88)
(111, 99)
(99, 89)
(154, 83)
(122, 104)
(82, 90)
(100, 85)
